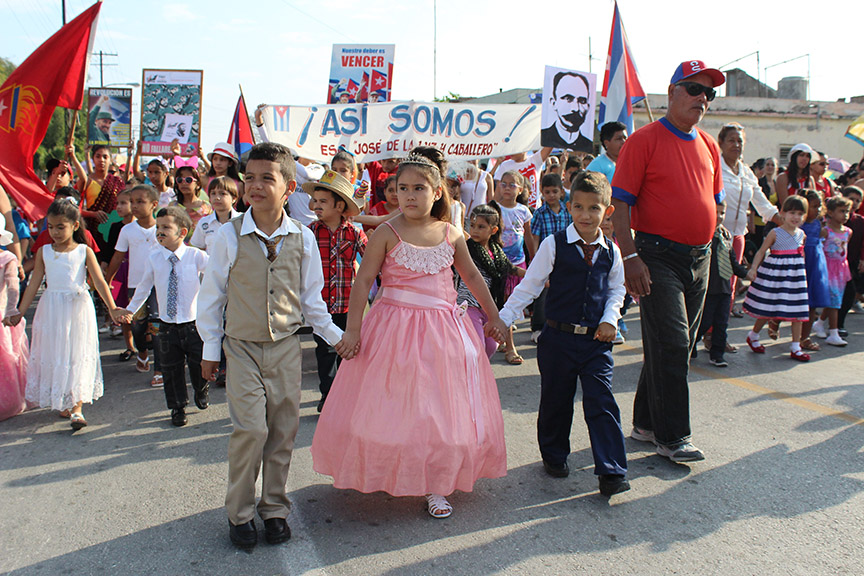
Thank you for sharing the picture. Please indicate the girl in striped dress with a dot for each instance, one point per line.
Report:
(779, 288)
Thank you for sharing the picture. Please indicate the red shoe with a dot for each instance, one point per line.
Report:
(756, 347)
(800, 356)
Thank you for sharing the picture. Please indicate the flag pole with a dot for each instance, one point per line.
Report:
(648, 107)
(71, 136)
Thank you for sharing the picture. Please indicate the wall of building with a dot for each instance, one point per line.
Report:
(772, 124)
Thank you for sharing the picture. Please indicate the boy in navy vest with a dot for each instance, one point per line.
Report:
(586, 291)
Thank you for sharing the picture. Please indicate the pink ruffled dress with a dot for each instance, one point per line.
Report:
(417, 410)
(13, 342)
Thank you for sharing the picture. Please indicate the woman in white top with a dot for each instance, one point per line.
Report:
(742, 189)
(477, 188)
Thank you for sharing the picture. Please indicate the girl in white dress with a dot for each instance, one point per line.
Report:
(65, 369)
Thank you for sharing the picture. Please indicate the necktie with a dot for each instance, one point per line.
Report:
(587, 251)
(724, 265)
(172, 287)
(271, 246)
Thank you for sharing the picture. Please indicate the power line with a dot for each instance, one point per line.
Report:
(20, 25)
(317, 20)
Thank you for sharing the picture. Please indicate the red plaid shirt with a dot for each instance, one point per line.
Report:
(339, 249)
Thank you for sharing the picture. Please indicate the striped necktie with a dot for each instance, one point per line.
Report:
(724, 265)
(271, 246)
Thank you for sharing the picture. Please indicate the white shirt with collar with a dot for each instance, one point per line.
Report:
(157, 270)
(214, 288)
(742, 189)
(205, 230)
(541, 267)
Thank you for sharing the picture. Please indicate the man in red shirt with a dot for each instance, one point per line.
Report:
(667, 183)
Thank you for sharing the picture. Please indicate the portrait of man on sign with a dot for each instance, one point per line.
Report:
(568, 110)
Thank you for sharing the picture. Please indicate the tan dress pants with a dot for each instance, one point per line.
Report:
(263, 388)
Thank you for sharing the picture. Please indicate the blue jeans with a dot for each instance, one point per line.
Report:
(670, 317)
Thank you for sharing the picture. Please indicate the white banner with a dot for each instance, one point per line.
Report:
(392, 129)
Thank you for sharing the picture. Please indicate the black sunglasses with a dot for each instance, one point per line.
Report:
(695, 89)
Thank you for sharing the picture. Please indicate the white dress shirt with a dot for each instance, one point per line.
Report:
(214, 288)
(541, 267)
(157, 270)
(205, 230)
(742, 189)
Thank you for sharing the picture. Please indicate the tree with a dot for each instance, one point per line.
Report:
(54, 143)
(451, 97)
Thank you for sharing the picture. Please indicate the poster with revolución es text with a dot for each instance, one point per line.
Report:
(171, 109)
(109, 117)
(361, 73)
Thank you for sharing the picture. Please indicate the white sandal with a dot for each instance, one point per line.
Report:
(438, 506)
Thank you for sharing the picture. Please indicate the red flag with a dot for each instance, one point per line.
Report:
(352, 89)
(52, 76)
(240, 134)
(363, 93)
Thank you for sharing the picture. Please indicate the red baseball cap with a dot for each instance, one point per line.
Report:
(693, 67)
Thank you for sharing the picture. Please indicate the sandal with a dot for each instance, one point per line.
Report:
(77, 421)
(126, 355)
(755, 346)
(157, 381)
(513, 357)
(773, 329)
(142, 365)
(64, 414)
(810, 346)
(438, 506)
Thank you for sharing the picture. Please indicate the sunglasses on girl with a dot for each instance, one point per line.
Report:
(695, 89)
(187, 179)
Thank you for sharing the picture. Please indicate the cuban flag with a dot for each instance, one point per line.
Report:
(280, 118)
(621, 86)
(240, 134)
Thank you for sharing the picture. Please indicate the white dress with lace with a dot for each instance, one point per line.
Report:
(65, 367)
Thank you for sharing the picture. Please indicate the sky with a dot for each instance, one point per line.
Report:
(279, 50)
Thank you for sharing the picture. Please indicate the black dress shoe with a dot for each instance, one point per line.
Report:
(178, 417)
(202, 398)
(244, 535)
(557, 470)
(842, 332)
(321, 405)
(611, 484)
(276, 530)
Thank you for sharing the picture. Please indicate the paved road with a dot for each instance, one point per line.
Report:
(780, 492)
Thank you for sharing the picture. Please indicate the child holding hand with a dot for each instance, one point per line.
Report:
(778, 287)
(835, 246)
(586, 290)
(65, 369)
(414, 409)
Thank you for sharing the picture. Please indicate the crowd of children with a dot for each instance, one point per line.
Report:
(212, 274)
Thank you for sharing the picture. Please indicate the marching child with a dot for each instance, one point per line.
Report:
(484, 245)
(120, 283)
(715, 313)
(339, 243)
(65, 369)
(187, 185)
(515, 236)
(816, 266)
(136, 240)
(13, 339)
(414, 409)
(223, 194)
(778, 288)
(549, 218)
(836, 244)
(586, 291)
(173, 271)
(856, 285)
(264, 272)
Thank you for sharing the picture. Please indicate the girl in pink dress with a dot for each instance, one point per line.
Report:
(414, 409)
(835, 246)
(13, 340)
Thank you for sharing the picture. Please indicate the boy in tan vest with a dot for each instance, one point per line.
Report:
(264, 273)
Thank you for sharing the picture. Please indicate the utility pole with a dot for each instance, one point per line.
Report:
(102, 64)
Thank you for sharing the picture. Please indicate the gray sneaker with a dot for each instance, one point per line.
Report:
(642, 435)
(684, 452)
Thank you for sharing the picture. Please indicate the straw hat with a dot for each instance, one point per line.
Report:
(337, 184)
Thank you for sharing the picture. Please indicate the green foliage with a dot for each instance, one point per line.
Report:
(450, 97)
(54, 143)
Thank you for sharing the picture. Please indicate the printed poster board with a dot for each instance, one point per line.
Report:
(361, 73)
(171, 109)
(110, 117)
(569, 103)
